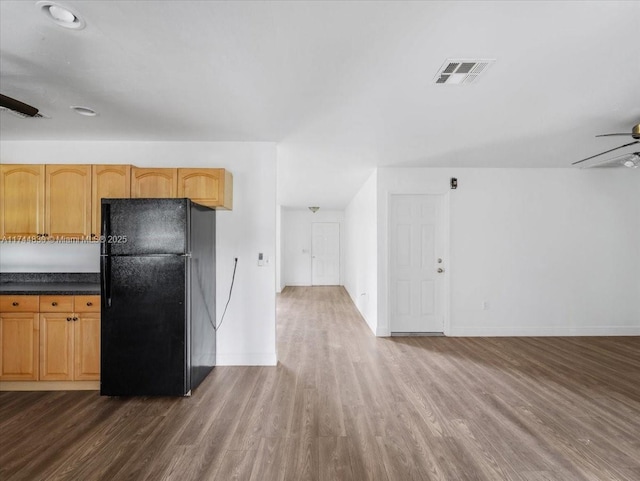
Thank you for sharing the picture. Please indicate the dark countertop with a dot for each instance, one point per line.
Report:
(44, 283)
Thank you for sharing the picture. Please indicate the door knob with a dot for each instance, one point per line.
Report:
(440, 270)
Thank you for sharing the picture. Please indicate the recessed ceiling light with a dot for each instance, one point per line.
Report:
(63, 16)
(86, 111)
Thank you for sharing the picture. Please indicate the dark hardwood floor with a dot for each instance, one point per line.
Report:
(344, 405)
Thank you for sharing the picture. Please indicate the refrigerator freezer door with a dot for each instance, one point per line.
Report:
(144, 347)
(145, 226)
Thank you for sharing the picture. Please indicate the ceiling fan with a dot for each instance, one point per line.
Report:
(18, 108)
(628, 160)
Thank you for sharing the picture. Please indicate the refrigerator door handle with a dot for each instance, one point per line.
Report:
(105, 280)
(105, 247)
(105, 256)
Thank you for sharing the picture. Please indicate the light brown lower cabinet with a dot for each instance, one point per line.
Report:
(19, 345)
(49, 338)
(70, 340)
(56, 346)
(86, 348)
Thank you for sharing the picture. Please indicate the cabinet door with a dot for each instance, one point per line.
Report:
(56, 346)
(210, 187)
(68, 201)
(154, 183)
(21, 200)
(87, 347)
(107, 182)
(18, 346)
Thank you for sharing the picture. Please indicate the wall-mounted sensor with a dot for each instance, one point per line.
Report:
(454, 183)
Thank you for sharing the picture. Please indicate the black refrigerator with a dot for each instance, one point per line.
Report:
(158, 286)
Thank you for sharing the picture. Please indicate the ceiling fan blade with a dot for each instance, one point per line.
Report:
(606, 152)
(612, 135)
(620, 160)
(17, 106)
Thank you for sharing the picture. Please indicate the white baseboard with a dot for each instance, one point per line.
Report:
(543, 331)
(383, 332)
(248, 359)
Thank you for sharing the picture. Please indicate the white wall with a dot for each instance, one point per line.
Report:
(361, 251)
(49, 257)
(296, 243)
(247, 336)
(552, 251)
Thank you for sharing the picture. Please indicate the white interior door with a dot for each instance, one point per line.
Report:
(416, 264)
(325, 253)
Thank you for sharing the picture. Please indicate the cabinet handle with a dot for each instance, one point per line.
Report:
(15, 303)
(68, 319)
(75, 318)
(89, 303)
(54, 303)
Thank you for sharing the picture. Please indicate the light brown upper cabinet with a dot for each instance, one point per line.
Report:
(68, 201)
(210, 187)
(107, 182)
(63, 201)
(21, 200)
(154, 183)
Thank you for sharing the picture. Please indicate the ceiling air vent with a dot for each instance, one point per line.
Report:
(462, 71)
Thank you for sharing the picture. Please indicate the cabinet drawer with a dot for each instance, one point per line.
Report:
(10, 303)
(56, 303)
(87, 303)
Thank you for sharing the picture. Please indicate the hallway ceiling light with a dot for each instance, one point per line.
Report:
(314, 209)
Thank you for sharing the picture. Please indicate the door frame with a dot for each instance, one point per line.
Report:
(446, 234)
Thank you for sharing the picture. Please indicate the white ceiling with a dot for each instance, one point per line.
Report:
(342, 87)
